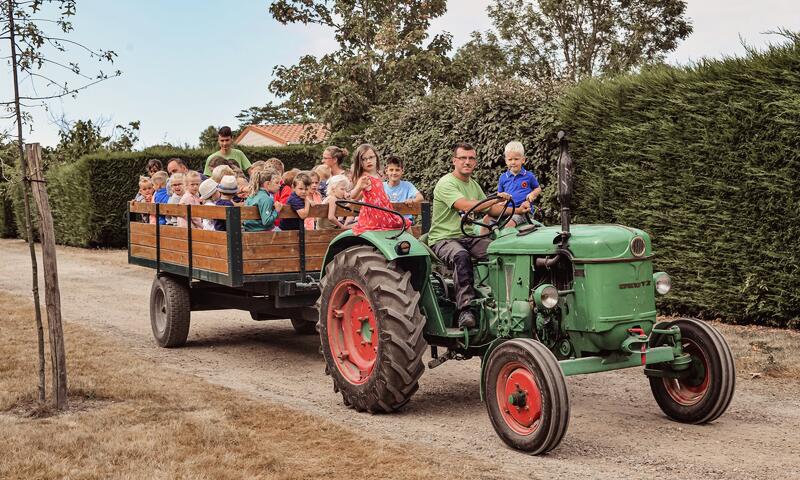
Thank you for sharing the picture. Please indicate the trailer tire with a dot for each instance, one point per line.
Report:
(371, 330)
(704, 396)
(526, 396)
(304, 327)
(170, 311)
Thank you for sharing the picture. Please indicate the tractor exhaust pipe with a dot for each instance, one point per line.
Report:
(564, 185)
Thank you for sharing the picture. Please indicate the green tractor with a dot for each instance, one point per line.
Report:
(552, 302)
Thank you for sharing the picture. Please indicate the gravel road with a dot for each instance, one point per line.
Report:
(616, 428)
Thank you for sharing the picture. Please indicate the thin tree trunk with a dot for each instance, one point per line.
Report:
(26, 192)
(52, 295)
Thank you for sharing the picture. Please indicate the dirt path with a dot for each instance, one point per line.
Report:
(616, 427)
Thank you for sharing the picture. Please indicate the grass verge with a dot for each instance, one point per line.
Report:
(131, 419)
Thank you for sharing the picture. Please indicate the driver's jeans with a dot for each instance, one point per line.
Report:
(457, 254)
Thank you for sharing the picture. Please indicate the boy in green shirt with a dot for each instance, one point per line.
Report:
(227, 151)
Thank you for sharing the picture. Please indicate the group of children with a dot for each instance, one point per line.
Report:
(270, 189)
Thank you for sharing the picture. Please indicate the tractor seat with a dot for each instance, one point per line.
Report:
(424, 240)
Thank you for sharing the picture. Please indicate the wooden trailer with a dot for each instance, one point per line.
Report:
(273, 275)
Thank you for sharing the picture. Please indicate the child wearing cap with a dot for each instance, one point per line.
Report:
(191, 185)
(227, 188)
(208, 195)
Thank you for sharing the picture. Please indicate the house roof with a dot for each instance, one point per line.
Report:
(287, 133)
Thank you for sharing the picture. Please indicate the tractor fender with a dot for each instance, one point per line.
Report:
(485, 359)
(417, 260)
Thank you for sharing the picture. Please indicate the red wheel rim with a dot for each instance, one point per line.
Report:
(519, 398)
(352, 332)
(690, 391)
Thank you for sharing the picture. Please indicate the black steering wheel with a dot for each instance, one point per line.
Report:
(469, 218)
(343, 204)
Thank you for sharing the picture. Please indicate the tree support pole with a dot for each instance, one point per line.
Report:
(26, 192)
(52, 294)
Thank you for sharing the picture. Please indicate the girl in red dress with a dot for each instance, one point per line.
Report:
(369, 188)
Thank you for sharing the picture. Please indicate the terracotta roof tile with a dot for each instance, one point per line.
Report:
(292, 132)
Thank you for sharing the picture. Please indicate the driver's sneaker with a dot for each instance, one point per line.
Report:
(467, 319)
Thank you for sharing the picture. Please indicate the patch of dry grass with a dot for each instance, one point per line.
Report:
(765, 351)
(132, 419)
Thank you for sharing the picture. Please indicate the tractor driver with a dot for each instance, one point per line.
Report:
(454, 193)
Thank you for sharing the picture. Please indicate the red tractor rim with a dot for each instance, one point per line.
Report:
(690, 391)
(519, 398)
(352, 332)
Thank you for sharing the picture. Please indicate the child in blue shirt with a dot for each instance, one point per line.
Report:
(263, 185)
(398, 190)
(521, 184)
(227, 188)
(161, 195)
(298, 201)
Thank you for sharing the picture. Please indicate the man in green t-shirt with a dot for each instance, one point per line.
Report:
(227, 151)
(454, 193)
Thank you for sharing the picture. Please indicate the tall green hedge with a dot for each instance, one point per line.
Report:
(89, 197)
(8, 226)
(424, 130)
(707, 159)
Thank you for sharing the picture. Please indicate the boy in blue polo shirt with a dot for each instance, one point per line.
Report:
(521, 184)
(397, 189)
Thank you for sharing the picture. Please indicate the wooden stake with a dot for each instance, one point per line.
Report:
(52, 294)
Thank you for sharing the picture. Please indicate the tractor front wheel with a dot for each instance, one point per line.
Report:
(371, 330)
(526, 396)
(704, 392)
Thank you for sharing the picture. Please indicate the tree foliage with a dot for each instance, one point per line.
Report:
(575, 39)
(83, 137)
(208, 138)
(383, 56)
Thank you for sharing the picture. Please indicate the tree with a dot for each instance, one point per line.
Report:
(574, 39)
(269, 113)
(382, 58)
(124, 137)
(34, 52)
(208, 138)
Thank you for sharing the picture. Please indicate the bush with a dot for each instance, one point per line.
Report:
(89, 197)
(424, 130)
(707, 159)
(8, 226)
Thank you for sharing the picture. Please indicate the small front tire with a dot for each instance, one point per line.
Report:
(705, 392)
(526, 396)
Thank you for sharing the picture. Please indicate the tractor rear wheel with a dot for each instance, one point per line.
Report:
(706, 391)
(371, 330)
(526, 396)
(170, 311)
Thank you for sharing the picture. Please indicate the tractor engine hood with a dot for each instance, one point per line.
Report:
(586, 241)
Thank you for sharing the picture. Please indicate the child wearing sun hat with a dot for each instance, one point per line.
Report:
(227, 188)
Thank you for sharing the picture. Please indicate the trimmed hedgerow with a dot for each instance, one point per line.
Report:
(424, 130)
(89, 197)
(707, 159)
(8, 226)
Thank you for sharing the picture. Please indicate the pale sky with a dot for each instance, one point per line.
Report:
(187, 64)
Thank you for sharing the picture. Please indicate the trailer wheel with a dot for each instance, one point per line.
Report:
(170, 311)
(526, 396)
(304, 327)
(704, 394)
(371, 330)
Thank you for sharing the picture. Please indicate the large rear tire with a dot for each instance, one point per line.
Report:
(371, 330)
(170, 311)
(706, 392)
(526, 396)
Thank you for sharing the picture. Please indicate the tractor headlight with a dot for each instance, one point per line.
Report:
(546, 296)
(662, 282)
